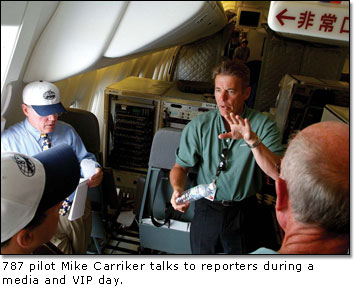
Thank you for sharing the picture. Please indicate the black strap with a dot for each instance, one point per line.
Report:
(161, 176)
(170, 212)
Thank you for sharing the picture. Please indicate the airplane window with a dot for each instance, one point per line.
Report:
(8, 40)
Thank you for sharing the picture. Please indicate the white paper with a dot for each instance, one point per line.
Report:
(88, 167)
(78, 206)
(126, 218)
(174, 224)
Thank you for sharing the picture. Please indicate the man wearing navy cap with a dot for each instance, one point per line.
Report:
(40, 131)
(32, 191)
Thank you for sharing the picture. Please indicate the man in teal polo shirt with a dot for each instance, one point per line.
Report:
(241, 143)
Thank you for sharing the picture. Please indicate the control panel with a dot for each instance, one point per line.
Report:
(177, 115)
(133, 131)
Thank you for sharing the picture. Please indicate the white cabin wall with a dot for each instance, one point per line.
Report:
(256, 38)
(86, 91)
(31, 17)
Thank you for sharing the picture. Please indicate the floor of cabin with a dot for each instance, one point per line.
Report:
(124, 242)
(121, 241)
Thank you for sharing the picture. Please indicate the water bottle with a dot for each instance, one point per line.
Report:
(198, 192)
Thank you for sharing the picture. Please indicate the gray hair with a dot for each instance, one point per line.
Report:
(318, 186)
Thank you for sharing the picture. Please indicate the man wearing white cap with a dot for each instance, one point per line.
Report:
(40, 131)
(32, 191)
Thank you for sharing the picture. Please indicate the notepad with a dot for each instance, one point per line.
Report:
(78, 206)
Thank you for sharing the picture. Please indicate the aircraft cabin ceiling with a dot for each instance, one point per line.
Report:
(85, 35)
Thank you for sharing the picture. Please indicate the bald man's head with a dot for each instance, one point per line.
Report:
(333, 139)
(316, 170)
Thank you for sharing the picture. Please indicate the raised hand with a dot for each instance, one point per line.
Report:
(240, 128)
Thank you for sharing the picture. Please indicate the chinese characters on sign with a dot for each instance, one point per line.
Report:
(307, 18)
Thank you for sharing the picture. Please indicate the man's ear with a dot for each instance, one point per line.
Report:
(282, 203)
(25, 109)
(282, 195)
(246, 93)
(24, 239)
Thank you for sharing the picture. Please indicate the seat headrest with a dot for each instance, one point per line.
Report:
(165, 143)
(86, 125)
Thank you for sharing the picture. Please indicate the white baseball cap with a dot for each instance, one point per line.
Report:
(34, 184)
(44, 97)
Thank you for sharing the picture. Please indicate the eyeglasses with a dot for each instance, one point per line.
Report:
(222, 166)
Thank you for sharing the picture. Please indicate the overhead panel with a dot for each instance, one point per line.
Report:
(146, 25)
(74, 39)
(87, 35)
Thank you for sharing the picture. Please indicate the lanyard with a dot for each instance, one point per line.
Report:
(222, 165)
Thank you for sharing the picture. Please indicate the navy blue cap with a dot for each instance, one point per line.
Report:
(62, 171)
(45, 110)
